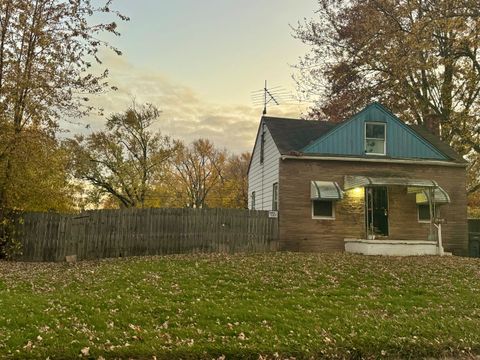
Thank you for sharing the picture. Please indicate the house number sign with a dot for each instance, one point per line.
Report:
(273, 214)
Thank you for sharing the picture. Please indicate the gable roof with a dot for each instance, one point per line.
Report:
(291, 135)
(437, 142)
(294, 135)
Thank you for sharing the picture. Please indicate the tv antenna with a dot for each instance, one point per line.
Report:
(272, 96)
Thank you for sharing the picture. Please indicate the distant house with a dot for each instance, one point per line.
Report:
(371, 184)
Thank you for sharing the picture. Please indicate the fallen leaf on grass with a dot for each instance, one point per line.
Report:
(85, 351)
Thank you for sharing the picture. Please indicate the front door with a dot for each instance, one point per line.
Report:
(376, 205)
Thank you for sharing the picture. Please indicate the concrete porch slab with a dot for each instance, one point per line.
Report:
(391, 247)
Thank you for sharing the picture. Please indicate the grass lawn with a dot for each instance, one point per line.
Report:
(242, 306)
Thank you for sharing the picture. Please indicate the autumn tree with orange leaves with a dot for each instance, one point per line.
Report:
(47, 49)
(420, 58)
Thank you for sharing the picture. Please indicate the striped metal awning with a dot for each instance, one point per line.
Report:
(325, 190)
(440, 196)
(354, 181)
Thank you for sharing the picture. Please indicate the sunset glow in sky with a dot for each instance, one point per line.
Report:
(199, 61)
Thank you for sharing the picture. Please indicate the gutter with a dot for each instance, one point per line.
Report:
(375, 160)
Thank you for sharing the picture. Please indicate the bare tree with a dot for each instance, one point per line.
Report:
(125, 159)
(232, 190)
(198, 169)
(237, 180)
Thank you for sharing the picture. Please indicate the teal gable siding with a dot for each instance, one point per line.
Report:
(348, 138)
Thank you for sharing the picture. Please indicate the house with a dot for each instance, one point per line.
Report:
(371, 184)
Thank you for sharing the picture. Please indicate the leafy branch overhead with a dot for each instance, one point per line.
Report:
(47, 48)
(47, 52)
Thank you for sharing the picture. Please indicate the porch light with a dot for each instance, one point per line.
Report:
(356, 192)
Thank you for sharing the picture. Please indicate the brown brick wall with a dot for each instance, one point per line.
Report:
(299, 232)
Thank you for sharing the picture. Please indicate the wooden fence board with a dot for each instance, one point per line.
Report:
(138, 232)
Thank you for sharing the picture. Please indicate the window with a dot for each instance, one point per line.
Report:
(375, 138)
(262, 146)
(253, 200)
(424, 212)
(323, 209)
(275, 197)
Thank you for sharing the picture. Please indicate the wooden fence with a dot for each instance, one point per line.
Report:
(136, 232)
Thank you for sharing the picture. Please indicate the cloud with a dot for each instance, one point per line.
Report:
(185, 114)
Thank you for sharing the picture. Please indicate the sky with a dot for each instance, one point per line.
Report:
(199, 61)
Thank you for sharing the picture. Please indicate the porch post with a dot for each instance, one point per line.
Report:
(433, 214)
(440, 244)
(370, 199)
(438, 226)
(366, 205)
(370, 204)
(430, 208)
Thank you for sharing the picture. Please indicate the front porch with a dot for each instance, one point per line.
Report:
(426, 195)
(389, 247)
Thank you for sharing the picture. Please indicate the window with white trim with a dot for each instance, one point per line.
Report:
(375, 135)
(323, 209)
(275, 197)
(423, 211)
(253, 200)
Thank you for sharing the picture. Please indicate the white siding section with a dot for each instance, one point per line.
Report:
(261, 177)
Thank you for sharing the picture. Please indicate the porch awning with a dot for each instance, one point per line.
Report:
(327, 190)
(353, 181)
(440, 196)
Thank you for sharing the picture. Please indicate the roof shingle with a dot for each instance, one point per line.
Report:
(437, 142)
(292, 135)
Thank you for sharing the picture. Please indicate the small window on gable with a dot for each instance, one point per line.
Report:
(323, 209)
(375, 138)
